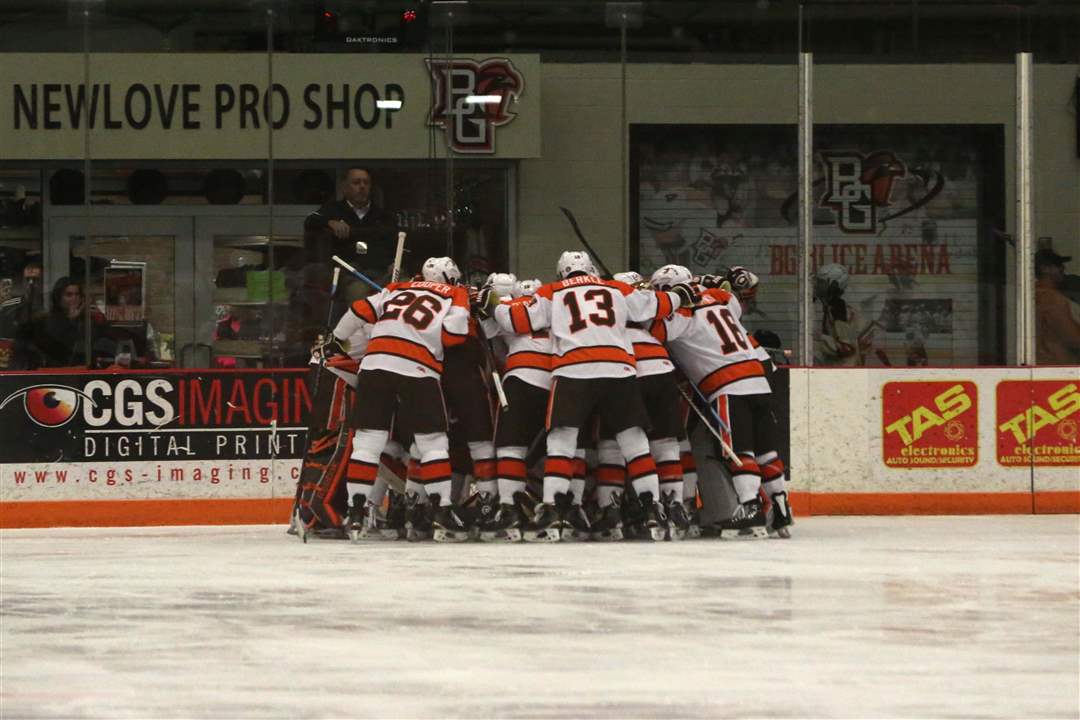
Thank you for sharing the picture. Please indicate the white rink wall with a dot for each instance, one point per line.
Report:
(839, 437)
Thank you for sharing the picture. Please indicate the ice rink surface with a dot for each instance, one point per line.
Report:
(973, 617)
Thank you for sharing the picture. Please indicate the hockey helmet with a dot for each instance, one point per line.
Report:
(742, 281)
(830, 279)
(630, 277)
(670, 275)
(528, 287)
(441, 270)
(503, 285)
(573, 262)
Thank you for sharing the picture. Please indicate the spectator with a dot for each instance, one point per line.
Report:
(1057, 319)
(59, 335)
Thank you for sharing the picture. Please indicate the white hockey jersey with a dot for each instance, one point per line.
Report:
(587, 317)
(412, 323)
(649, 353)
(528, 356)
(712, 347)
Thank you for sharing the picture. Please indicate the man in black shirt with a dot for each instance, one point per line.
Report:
(336, 227)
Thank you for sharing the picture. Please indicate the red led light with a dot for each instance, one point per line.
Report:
(408, 15)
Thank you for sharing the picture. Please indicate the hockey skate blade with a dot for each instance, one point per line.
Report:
(377, 535)
(501, 536)
(693, 532)
(442, 535)
(676, 534)
(571, 535)
(548, 535)
(750, 533)
(657, 534)
(612, 535)
(783, 533)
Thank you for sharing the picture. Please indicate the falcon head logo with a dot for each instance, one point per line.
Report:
(472, 99)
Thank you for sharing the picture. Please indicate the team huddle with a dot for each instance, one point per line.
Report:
(592, 383)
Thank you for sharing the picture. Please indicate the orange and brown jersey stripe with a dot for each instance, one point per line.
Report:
(650, 351)
(728, 374)
(640, 467)
(614, 475)
(555, 466)
(664, 306)
(597, 354)
(718, 294)
(511, 468)
(362, 308)
(519, 317)
(450, 339)
(362, 472)
(528, 359)
(405, 349)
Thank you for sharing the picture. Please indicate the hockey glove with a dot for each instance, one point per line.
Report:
(330, 346)
(485, 303)
(711, 281)
(688, 294)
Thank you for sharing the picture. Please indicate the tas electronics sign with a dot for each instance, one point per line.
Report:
(131, 417)
(930, 424)
(204, 101)
(1038, 423)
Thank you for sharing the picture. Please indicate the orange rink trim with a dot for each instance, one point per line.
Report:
(262, 511)
(134, 513)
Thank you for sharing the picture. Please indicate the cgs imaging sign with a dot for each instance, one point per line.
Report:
(197, 415)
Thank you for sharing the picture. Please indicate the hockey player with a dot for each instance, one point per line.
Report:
(593, 370)
(660, 391)
(412, 324)
(711, 346)
(744, 285)
(527, 383)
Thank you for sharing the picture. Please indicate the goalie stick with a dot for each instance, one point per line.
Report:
(728, 452)
(577, 231)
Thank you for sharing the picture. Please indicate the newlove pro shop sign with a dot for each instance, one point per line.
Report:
(217, 106)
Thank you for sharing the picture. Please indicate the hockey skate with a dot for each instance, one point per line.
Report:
(693, 530)
(354, 519)
(678, 523)
(447, 525)
(479, 511)
(507, 522)
(782, 519)
(546, 524)
(656, 523)
(633, 516)
(746, 523)
(417, 518)
(395, 514)
(607, 524)
(578, 527)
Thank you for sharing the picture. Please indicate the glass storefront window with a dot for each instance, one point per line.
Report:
(21, 293)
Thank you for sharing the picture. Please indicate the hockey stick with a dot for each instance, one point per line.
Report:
(577, 231)
(723, 445)
(395, 274)
(356, 273)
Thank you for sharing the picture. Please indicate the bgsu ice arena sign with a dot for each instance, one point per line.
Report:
(148, 416)
(1038, 422)
(930, 424)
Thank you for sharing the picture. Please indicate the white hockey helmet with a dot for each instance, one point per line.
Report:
(630, 277)
(670, 275)
(504, 285)
(832, 277)
(574, 261)
(441, 270)
(528, 287)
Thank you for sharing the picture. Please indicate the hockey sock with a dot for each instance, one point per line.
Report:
(559, 464)
(665, 452)
(577, 483)
(640, 466)
(483, 458)
(378, 492)
(610, 471)
(689, 469)
(434, 469)
(511, 470)
(413, 483)
(364, 462)
(772, 473)
(747, 478)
